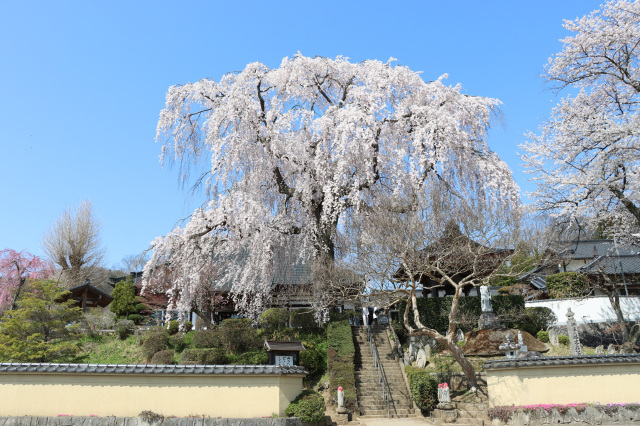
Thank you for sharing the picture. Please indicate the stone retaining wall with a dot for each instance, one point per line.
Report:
(590, 416)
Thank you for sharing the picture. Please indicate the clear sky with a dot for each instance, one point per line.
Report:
(82, 84)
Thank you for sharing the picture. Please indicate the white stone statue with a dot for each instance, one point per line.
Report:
(485, 299)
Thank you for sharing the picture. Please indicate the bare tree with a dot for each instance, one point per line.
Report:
(135, 262)
(73, 243)
(429, 244)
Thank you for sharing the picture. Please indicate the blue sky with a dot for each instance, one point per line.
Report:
(82, 84)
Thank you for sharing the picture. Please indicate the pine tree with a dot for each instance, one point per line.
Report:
(124, 299)
(41, 329)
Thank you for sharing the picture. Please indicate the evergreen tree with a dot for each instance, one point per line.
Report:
(41, 329)
(124, 299)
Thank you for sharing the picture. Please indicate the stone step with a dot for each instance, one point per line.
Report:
(374, 377)
(383, 412)
(370, 399)
(378, 399)
(380, 404)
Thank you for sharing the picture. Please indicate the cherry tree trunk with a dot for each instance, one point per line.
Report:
(467, 368)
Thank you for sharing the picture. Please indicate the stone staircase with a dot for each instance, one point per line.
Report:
(370, 398)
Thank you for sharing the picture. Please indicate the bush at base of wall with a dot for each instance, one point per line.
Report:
(423, 387)
(308, 406)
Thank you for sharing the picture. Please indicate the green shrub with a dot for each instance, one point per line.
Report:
(340, 339)
(435, 310)
(423, 387)
(124, 328)
(253, 358)
(340, 361)
(124, 298)
(566, 284)
(537, 319)
(274, 318)
(308, 406)
(136, 318)
(207, 339)
(238, 335)
(400, 330)
(339, 316)
(563, 340)
(154, 343)
(188, 326)
(313, 359)
(304, 320)
(210, 356)
(177, 342)
(543, 336)
(163, 357)
(174, 327)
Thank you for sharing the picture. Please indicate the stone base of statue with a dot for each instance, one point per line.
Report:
(445, 406)
(489, 320)
(444, 413)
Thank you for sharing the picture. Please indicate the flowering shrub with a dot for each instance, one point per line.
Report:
(501, 413)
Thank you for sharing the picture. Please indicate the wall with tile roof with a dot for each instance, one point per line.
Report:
(126, 390)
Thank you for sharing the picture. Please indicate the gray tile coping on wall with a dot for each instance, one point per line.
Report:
(560, 360)
(6, 367)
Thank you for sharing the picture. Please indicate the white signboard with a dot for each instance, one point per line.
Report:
(284, 360)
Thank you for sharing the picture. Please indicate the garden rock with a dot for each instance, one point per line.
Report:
(553, 336)
(487, 342)
(421, 359)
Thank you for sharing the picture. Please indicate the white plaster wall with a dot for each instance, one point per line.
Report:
(590, 309)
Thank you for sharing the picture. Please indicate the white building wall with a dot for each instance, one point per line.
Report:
(590, 309)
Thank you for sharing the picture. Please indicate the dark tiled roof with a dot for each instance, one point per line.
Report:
(614, 265)
(94, 294)
(538, 282)
(589, 249)
(149, 369)
(273, 345)
(546, 361)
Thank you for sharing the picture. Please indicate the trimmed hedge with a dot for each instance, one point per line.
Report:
(543, 336)
(341, 366)
(207, 339)
(253, 358)
(155, 342)
(313, 358)
(124, 328)
(435, 311)
(274, 318)
(423, 387)
(537, 319)
(303, 320)
(163, 357)
(308, 406)
(566, 284)
(238, 335)
(211, 356)
(178, 342)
